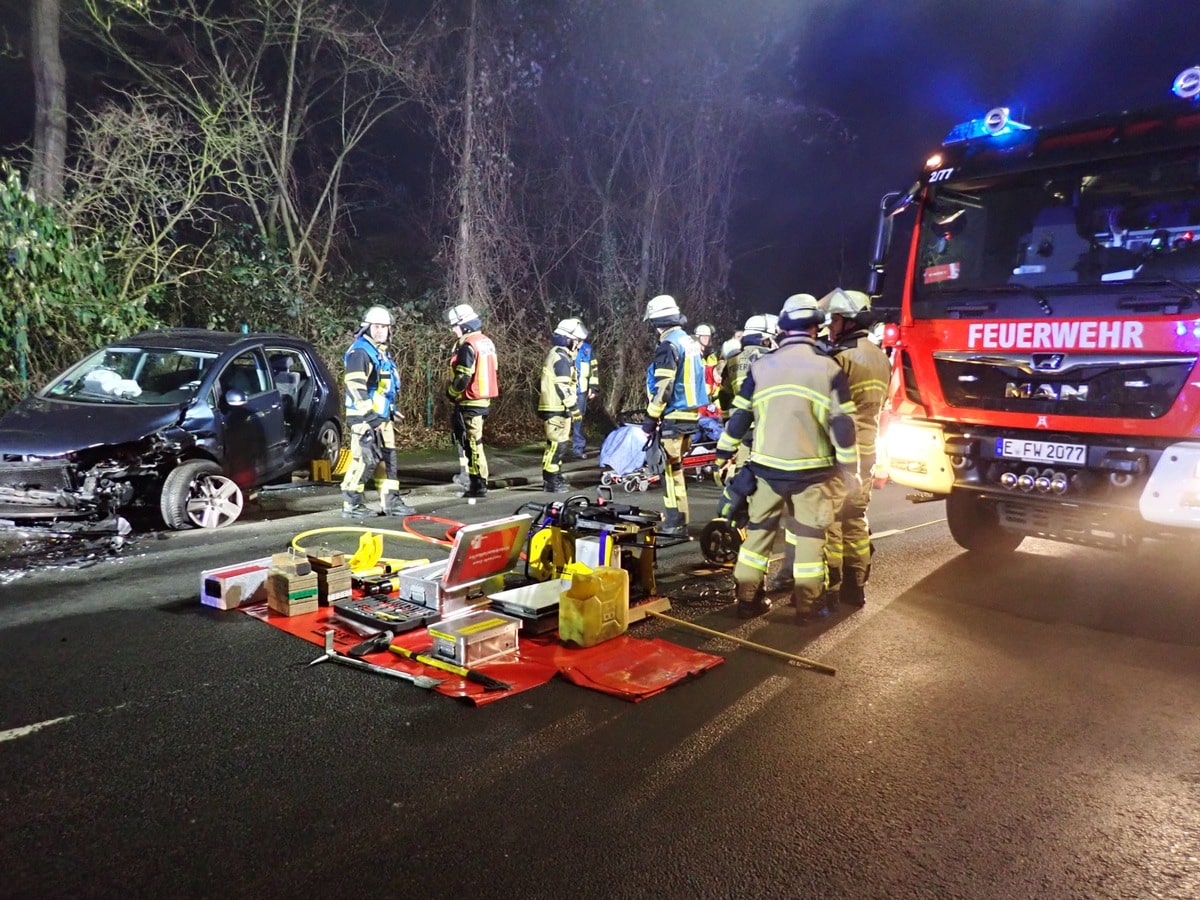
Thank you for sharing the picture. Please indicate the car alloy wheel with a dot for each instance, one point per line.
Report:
(197, 494)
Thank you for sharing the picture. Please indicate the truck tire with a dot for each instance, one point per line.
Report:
(975, 526)
(197, 494)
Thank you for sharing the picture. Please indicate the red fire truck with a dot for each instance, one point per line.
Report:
(1045, 377)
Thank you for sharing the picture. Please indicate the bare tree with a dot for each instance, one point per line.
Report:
(47, 170)
(305, 80)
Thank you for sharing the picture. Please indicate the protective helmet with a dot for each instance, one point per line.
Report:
(758, 325)
(845, 303)
(662, 307)
(730, 347)
(462, 313)
(800, 312)
(376, 315)
(703, 331)
(573, 329)
(772, 324)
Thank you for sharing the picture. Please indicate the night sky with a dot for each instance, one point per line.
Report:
(901, 74)
(898, 74)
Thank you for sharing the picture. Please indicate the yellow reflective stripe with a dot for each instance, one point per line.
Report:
(725, 442)
(791, 465)
(655, 410)
(740, 402)
(864, 386)
(752, 560)
(847, 455)
(802, 571)
(763, 397)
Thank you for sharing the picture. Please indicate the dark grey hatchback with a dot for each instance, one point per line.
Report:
(186, 419)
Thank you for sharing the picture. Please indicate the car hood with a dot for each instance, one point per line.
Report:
(42, 427)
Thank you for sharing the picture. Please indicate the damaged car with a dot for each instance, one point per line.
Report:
(186, 420)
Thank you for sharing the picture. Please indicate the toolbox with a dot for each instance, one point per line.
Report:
(474, 638)
(535, 606)
(479, 557)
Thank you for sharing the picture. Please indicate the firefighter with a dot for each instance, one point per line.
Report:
(710, 423)
(848, 541)
(473, 386)
(558, 400)
(587, 375)
(372, 384)
(676, 391)
(804, 437)
(758, 339)
(729, 351)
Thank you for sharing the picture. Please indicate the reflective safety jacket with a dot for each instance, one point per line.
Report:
(371, 383)
(588, 372)
(558, 394)
(739, 364)
(867, 370)
(473, 380)
(799, 402)
(675, 378)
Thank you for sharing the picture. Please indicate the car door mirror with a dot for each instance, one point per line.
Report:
(234, 397)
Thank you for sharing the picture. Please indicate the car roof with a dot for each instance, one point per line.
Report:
(203, 339)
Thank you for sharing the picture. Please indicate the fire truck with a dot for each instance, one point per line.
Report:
(1045, 379)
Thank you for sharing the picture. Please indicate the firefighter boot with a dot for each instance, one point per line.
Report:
(851, 592)
(810, 605)
(395, 505)
(353, 506)
(478, 488)
(674, 525)
(833, 588)
(554, 483)
(751, 601)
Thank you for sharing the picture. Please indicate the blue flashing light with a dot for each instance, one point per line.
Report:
(1187, 84)
(997, 123)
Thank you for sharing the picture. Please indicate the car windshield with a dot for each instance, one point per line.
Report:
(134, 375)
(1053, 241)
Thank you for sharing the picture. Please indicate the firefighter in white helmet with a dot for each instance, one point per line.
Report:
(472, 388)
(803, 438)
(372, 385)
(729, 351)
(848, 542)
(558, 400)
(676, 390)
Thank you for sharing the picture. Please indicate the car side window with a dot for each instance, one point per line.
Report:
(246, 373)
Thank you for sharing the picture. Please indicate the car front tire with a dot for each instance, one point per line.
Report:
(197, 494)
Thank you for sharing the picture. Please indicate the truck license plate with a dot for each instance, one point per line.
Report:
(1042, 451)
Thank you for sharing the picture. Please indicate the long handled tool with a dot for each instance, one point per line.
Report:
(655, 608)
(331, 655)
(489, 683)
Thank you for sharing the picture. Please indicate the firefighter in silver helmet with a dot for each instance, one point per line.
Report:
(676, 390)
(372, 385)
(799, 402)
(558, 400)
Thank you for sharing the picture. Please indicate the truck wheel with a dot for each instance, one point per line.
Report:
(975, 525)
(197, 494)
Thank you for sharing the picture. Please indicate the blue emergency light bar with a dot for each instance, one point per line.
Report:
(996, 123)
(1187, 84)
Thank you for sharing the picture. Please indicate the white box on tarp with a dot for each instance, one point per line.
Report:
(238, 585)
(596, 552)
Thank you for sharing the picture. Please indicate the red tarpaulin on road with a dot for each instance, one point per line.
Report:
(627, 667)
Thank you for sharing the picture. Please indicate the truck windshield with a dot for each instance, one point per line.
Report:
(1113, 237)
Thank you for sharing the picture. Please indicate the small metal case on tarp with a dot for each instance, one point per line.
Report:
(480, 556)
(474, 638)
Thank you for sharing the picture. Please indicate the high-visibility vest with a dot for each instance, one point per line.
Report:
(382, 382)
(485, 385)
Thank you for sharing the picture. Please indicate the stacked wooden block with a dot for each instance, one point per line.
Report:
(333, 576)
(292, 588)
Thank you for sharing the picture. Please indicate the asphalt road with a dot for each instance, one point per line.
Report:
(1024, 728)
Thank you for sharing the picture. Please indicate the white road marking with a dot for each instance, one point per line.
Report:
(13, 733)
